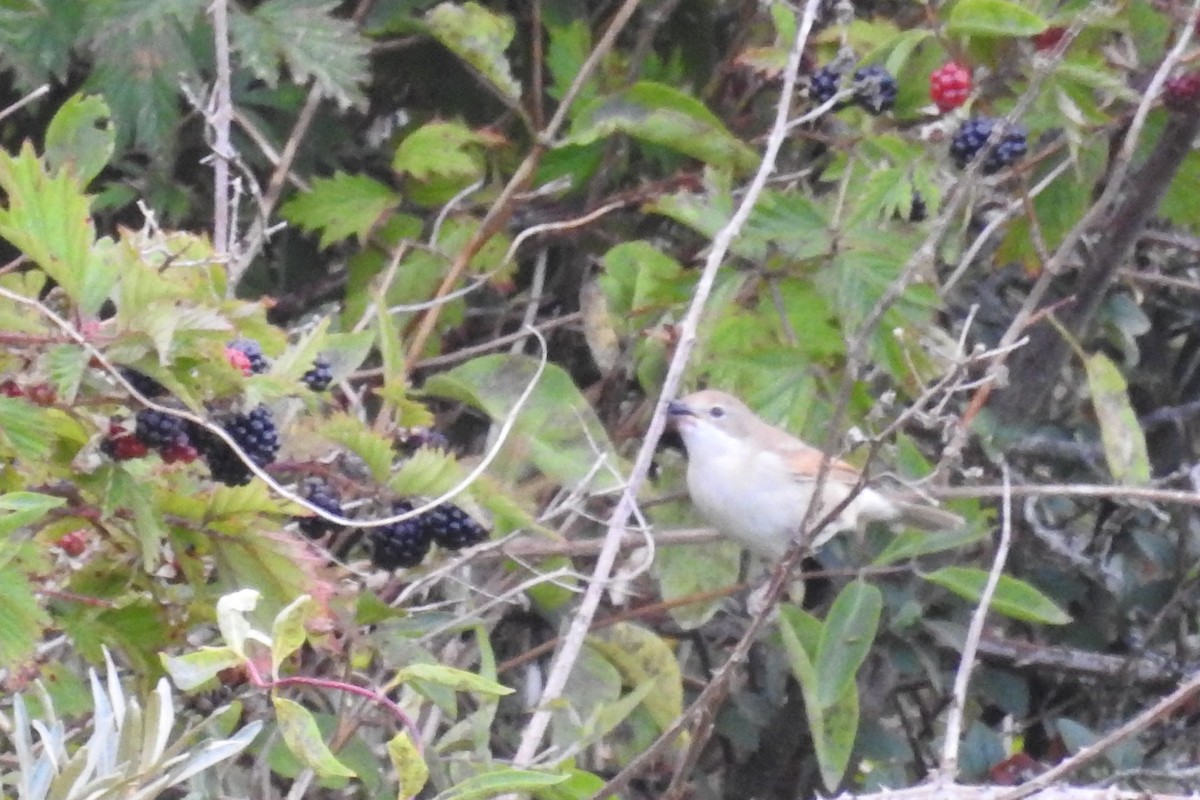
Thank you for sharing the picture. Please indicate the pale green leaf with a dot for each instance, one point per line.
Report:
(993, 18)
(1122, 435)
(411, 769)
(479, 37)
(18, 509)
(440, 148)
(557, 429)
(300, 732)
(642, 656)
(457, 679)
(500, 781)
(288, 631)
(1013, 598)
(197, 668)
(66, 364)
(663, 115)
(23, 620)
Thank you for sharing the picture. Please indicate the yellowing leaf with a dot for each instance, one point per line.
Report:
(300, 731)
(1122, 435)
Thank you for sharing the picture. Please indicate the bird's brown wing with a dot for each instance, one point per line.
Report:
(805, 462)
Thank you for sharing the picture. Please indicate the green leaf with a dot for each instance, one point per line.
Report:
(832, 728)
(993, 18)
(305, 37)
(66, 364)
(912, 543)
(300, 732)
(846, 638)
(641, 284)
(192, 670)
(663, 115)
(427, 472)
(375, 450)
(1122, 435)
(49, 219)
(81, 137)
(478, 37)
(288, 632)
(340, 207)
(457, 679)
(557, 429)
(642, 656)
(38, 39)
(440, 149)
(23, 621)
(1013, 598)
(501, 780)
(18, 509)
(411, 769)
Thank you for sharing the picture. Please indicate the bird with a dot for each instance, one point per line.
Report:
(754, 482)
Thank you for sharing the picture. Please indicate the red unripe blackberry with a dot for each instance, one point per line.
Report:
(1049, 38)
(950, 86)
(238, 360)
(73, 543)
(9, 388)
(124, 448)
(1181, 92)
(179, 452)
(253, 351)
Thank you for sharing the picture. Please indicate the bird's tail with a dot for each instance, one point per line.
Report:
(929, 518)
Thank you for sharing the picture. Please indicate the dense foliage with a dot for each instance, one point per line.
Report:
(332, 330)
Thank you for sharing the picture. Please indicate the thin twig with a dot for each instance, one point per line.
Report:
(949, 764)
(36, 94)
(221, 119)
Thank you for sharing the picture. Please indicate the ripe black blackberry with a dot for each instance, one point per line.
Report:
(325, 497)
(401, 544)
(973, 135)
(146, 386)
(875, 89)
(824, 84)
(452, 528)
(320, 376)
(255, 433)
(253, 351)
(413, 439)
(155, 429)
(918, 212)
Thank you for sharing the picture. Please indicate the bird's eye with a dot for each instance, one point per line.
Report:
(716, 412)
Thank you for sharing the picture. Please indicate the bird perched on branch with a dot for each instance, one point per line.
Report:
(755, 482)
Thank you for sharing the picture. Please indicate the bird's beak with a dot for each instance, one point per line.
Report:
(677, 408)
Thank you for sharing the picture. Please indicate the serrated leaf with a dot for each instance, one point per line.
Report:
(340, 207)
(304, 37)
(993, 18)
(24, 428)
(38, 39)
(641, 283)
(288, 631)
(479, 37)
(1013, 598)
(846, 639)
(192, 670)
(81, 137)
(23, 621)
(48, 218)
(500, 781)
(375, 451)
(411, 769)
(1122, 434)
(457, 679)
(66, 364)
(300, 732)
(427, 472)
(557, 426)
(663, 115)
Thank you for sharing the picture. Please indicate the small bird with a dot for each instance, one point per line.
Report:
(754, 482)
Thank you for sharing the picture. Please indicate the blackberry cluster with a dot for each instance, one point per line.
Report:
(156, 429)
(405, 544)
(255, 433)
(146, 386)
(402, 544)
(972, 137)
(875, 89)
(824, 84)
(320, 376)
(253, 352)
(323, 496)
